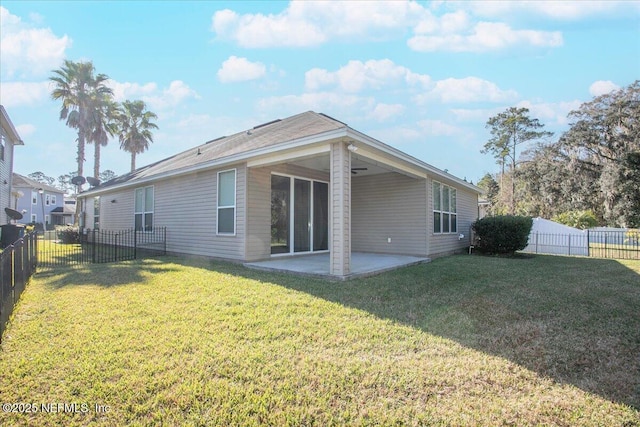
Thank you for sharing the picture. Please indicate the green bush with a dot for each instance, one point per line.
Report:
(68, 235)
(502, 234)
(577, 219)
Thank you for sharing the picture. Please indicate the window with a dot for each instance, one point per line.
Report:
(34, 198)
(47, 200)
(34, 218)
(143, 216)
(53, 199)
(227, 202)
(46, 219)
(1, 147)
(445, 217)
(96, 212)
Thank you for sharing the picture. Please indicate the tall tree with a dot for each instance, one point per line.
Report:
(509, 130)
(491, 191)
(77, 86)
(42, 178)
(603, 141)
(107, 175)
(103, 124)
(136, 123)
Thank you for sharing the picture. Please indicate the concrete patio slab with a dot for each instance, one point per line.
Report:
(362, 264)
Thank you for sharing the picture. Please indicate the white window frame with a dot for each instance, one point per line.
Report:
(53, 199)
(453, 203)
(234, 206)
(47, 199)
(96, 212)
(144, 210)
(34, 218)
(47, 219)
(34, 198)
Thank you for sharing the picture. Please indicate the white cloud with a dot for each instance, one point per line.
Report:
(383, 112)
(237, 69)
(151, 94)
(602, 87)
(550, 112)
(468, 89)
(484, 36)
(358, 75)
(13, 94)
(27, 50)
(314, 23)
(127, 90)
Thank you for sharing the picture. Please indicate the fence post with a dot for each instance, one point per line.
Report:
(135, 243)
(537, 241)
(569, 244)
(605, 245)
(588, 242)
(93, 246)
(115, 247)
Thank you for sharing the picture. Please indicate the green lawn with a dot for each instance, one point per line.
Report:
(464, 340)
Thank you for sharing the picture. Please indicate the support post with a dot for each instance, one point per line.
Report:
(340, 256)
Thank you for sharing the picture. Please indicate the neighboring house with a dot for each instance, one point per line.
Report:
(39, 203)
(301, 185)
(8, 139)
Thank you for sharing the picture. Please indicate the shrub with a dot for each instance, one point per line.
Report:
(502, 234)
(69, 235)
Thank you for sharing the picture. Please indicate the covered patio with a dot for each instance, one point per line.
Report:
(362, 264)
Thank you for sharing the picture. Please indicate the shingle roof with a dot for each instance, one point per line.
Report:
(265, 135)
(23, 181)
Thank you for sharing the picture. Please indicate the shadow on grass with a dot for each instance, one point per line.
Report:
(106, 275)
(576, 320)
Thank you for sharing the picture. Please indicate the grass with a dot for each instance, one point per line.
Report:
(464, 340)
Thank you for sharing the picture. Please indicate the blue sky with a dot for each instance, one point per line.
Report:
(423, 77)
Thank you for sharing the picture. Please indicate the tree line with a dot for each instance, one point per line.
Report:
(589, 175)
(89, 108)
(63, 182)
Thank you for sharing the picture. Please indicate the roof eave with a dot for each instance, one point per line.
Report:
(223, 161)
(389, 150)
(8, 125)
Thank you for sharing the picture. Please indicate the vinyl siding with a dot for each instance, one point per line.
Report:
(187, 207)
(467, 211)
(6, 166)
(385, 206)
(259, 205)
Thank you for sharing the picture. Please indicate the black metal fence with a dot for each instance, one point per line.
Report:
(17, 264)
(101, 246)
(597, 244)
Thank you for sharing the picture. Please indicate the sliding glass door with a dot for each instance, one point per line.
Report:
(299, 215)
(320, 216)
(280, 213)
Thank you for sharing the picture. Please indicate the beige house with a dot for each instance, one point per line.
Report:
(8, 139)
(302, 185)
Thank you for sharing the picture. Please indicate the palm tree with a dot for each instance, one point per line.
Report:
(135, 129)
(103, 124)
(78, 87)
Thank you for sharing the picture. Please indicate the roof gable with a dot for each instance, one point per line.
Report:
(261, 136)
(21, 181)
